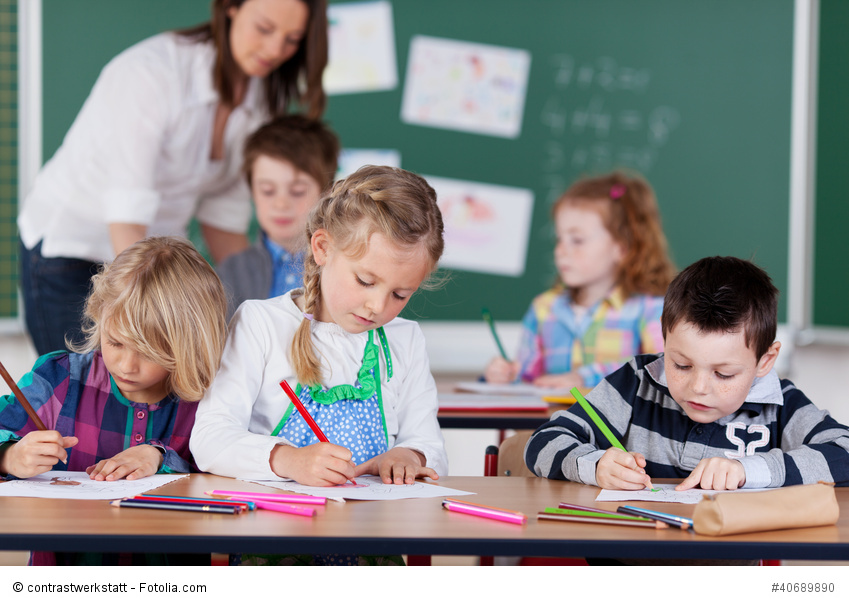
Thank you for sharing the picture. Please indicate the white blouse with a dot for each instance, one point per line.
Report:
(244, 404)
(139, 152)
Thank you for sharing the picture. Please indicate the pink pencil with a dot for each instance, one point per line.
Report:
(306, 415)
(284, 508)
(270, 497)
(493, 513)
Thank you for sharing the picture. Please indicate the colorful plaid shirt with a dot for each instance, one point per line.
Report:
(555, 340)
(75, 395)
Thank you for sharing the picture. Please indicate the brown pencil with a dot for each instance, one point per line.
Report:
(615, 521)
(20, 396)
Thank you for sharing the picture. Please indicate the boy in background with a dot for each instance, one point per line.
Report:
(711, 409)
(288, 163)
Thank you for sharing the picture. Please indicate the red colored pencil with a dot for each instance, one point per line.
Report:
(306, 415)
(303, 410)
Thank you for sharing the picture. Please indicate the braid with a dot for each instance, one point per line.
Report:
(304, 358)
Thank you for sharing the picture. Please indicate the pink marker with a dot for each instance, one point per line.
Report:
(284, 508)
(272, 497)
(493, 513)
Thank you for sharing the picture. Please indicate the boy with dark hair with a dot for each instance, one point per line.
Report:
(711, 409)
(289, 162)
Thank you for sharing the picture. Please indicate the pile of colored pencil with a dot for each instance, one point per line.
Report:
(233, 503)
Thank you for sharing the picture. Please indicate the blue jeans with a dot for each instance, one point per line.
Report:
(54, 292)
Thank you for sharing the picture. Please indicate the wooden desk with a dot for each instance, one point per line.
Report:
(495, 419)
(413, 526)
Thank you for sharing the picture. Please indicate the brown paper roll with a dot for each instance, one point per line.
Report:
(790, 507)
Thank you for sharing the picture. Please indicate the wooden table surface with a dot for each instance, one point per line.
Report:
(410, 526)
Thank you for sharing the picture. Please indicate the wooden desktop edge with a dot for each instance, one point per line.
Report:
(410, 526)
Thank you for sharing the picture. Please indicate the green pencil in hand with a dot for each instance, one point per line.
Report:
(488, 318)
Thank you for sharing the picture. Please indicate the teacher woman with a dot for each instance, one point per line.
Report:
(159, 142)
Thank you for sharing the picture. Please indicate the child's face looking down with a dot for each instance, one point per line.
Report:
(361, 294)
(710, 374)
(284, 197)
(586, 255)
(137, 378)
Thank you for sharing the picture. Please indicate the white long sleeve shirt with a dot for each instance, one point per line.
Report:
(139, 152)
(244, 404)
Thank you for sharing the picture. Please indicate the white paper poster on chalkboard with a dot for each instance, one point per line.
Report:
(464, 86)
(361, 48)
(486, 226)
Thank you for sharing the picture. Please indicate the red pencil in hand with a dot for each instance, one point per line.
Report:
(307, 417)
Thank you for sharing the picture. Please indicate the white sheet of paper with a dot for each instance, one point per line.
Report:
(508, 389)
(666, 494)
(361, 48)
(77, 485)
(486, 226)
(351, 159)
(465, 86)
(368, 488)
(479, 401)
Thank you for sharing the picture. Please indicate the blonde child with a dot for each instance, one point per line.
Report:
(289, 162)
(362, 373)
(121, 405)
(613, 268)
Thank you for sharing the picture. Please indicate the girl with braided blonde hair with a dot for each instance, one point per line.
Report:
(361, 372)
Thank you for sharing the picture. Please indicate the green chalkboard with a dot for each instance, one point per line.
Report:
(695, 95)
(831, 246)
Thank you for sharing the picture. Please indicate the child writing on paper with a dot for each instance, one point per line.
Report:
(711, 409)
(288, 163)
(613, 269)
(121, 405)
(361, 372)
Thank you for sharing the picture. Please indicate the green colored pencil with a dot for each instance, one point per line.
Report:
(488, 317)
(595, 418)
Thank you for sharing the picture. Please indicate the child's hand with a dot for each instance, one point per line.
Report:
(134, 463)
(716, 473)
(320, 464)
(620, 470)
(565, 381)
(397, 466)
(500, 370)
(37, 452)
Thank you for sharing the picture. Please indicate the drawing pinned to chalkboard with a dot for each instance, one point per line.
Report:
(465, 86)
(352, 159)
(361, 48)
(486, 226)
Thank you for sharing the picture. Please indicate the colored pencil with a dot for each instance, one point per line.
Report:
(286, 508)
(156, 497)
(306, 415)
(624, 521)
(488, 318)
(596, 419)
(271, 497)
(673, 520)
(585, 508)
(22, 399)
(175, 506)
(485, 511)
(590, 514)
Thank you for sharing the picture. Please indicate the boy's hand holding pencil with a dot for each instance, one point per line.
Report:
(617, 469)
